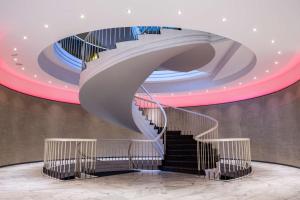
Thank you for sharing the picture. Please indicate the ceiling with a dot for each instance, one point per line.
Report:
(269, 28)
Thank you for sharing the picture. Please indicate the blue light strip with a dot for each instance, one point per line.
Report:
(66, 57)
(168, 75)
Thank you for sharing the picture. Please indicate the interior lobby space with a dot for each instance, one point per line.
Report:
(152, 99)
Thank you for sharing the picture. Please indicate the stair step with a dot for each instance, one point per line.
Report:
(182, 145)
(180, 141)
(181, 151)
(181, 157)
(181, 170)
(177, 134)
(173, 133)
(181, 163)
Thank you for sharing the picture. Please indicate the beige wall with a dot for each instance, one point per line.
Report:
(25, 121)
(272, 122)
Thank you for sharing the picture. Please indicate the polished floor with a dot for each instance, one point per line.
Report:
(268, 182)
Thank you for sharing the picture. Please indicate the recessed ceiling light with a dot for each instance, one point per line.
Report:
(179, 12)
(15, 59)
(279, 52)
(254, 77)
(240, 83)
(82, 16)
(224, 19)
(224, 87)
(35, 76)
(23, 68)
(272, 41)
(50, 82)
(25, 37)
(254, 30)
(128, 11)
(206, 90)
(189, 93)
(276, 62)
(172, 94)
(267, 71)
(46, 26)
(66, 86)
(15, 49)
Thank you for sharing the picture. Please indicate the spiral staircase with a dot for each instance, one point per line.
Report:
(115, 63)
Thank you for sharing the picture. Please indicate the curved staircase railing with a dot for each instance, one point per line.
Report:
(140, 153)
(177, 139)
(217, 158)
(67, 158)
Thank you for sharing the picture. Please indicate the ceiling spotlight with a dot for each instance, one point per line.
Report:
(46, 26)
(23, 68)
(206, 90)
(50, 82)
(272, 41)
(267, 71)
(35, 76)
(25, 37)
(179, 12)
(189, 93)
(128, 11)
(279, 52)
(276, 62)
(15, 59)
(224, 87)
(224, 19)
(66, 86)
(82, 16)
(240, 83)
(254, 77)
(254, 29)
(172, 94)
(15, 49)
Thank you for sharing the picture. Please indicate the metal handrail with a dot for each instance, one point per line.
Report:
(196, 137)
(91, 44)
(208, 136)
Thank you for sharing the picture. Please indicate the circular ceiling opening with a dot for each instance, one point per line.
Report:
(217, 60)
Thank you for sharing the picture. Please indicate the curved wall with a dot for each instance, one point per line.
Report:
(26, 121)
(272, 122)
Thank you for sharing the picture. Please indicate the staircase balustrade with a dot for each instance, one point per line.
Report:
(215, 158)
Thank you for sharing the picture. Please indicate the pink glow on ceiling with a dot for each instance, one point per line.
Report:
(289, 74)
(10, 78)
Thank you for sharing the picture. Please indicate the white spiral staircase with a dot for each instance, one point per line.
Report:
(176, 139)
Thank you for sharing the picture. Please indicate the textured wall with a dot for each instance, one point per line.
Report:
(25, 121)
(272, 122)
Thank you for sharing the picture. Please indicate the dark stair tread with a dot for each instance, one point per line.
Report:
(181, 169)
(181, 157)
(181, 161)
(173, 133)
(181, 151)
(181, 144)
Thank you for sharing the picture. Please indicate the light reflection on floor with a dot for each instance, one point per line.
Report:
(268, 182)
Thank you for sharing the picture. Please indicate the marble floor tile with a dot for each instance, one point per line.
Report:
(268, 182)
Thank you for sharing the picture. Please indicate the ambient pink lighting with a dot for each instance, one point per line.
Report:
(15, 81)
(287, 76)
